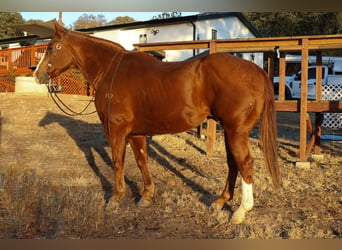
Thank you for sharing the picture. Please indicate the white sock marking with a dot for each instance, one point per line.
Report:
(246, 203)
(247, 196)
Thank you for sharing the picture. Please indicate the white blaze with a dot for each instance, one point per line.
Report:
(34, 73)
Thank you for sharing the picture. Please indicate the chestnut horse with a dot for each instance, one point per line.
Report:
(137, 94)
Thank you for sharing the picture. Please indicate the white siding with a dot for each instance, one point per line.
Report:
(227, 28)
(177, 32)
(112, 35)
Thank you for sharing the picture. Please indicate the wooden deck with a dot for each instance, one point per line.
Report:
(281, 45)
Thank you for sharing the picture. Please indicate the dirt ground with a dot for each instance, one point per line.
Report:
(56, 174)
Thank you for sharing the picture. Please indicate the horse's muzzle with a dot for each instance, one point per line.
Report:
(40, 77)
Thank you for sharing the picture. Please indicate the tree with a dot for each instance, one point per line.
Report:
(296, 23)
(166, 15)
(121, 20)
(33, 21)
(89, 21)
(8, 18)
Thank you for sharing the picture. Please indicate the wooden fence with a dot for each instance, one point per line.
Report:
(16, 62)
(270, 46)
(21, 58)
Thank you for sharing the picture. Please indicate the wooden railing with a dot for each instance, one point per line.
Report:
(15, 62)
(280, 45)
(19, 58)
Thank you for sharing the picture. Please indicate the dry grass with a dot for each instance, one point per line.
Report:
(56, 176)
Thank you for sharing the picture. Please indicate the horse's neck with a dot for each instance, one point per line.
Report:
(94, 58)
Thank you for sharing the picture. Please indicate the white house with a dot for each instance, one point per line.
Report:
(206, 26)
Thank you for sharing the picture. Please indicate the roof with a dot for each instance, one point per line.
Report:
(46, 30)
(38, 30)
(17, 40)
(176, 20)
(41, 29)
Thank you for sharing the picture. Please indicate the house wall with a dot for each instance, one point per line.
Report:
(227, 28)
(170, 33)
(177, 32)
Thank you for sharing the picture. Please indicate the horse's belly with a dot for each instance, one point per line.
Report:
(174, 121)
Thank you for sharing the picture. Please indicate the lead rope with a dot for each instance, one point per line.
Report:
(65, 109)
(53, 94)
(110, 94)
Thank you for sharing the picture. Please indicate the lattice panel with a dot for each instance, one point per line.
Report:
(14, 62)
(332, 92)
(73, 82)
(7, 82)
(7, 78)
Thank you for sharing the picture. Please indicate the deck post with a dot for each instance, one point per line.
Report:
(33, 56)
(270, 65)
(303, 105)
(318, 75)
(318, 132)
(211, 124)
(282, 71)
(319, 116)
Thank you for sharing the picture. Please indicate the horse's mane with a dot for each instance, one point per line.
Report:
(100, 41)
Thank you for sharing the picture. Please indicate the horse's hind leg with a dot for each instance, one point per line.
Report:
(139, 147)
(238, 143)
(228, 192)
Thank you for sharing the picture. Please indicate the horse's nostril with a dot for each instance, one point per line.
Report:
(40, 78)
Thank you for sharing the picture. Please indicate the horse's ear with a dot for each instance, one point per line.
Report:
(59, 29)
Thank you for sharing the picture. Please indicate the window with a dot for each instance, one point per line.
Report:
(213, 34)
(238, 55)
(143, 38)
(312, 73)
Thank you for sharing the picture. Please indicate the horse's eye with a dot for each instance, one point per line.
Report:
(49, 48)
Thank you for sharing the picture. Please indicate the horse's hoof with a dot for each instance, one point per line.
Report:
(220, 216)
(215, 207)
(144, 203)
(112, 206)
(238, 218)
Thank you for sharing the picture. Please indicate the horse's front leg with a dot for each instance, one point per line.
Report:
(117, 143)
(139, 147)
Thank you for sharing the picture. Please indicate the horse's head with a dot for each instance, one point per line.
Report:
(57, 57)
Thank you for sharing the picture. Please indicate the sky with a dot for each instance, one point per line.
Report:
(70, 17)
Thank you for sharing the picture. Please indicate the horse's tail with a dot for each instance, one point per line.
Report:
(268, 134)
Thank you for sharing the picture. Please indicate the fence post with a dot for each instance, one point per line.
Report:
(9, 65)
(270, 65)
(303, 102)
(33, 55)
(211, 124)
(319, 76)
(318, 116)
(282, 71)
